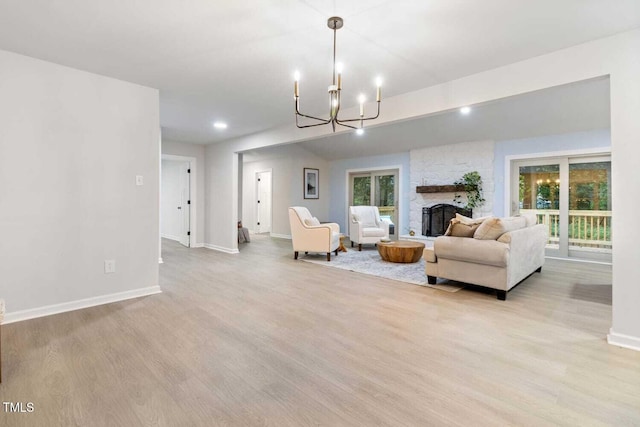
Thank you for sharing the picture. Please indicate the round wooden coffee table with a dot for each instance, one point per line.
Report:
(404, 251)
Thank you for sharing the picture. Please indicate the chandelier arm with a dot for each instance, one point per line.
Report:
(298, 113)
(347, 126)
(364, 118)
(310, 126)
(324, 121)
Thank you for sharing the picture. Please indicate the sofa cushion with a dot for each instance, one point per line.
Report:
(373, 232)
(472, 250)
(492, 228)
(458, 228)
(366, 217)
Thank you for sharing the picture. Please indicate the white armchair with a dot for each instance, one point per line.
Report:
(308, 235)
(365, 225)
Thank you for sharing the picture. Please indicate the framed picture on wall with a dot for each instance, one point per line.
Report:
(311, 183)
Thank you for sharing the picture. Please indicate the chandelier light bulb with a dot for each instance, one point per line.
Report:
(360, 131)
(361, 98)
(465, 110)
(339, 67)
(378, 81)
(296, 75)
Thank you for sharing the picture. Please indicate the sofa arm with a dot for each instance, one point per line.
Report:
(527, 245)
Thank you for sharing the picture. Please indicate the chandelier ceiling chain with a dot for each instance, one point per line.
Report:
(335, 89)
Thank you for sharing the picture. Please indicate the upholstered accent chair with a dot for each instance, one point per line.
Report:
(366, 226)
(308, 235)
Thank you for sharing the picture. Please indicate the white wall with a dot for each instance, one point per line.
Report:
(617, 56)
(71, 145)
(196, 151)
(287, 163)
(443, 165)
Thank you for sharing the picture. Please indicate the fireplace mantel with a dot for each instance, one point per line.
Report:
(439, 188)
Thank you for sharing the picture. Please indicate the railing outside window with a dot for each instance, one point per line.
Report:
(587, 228)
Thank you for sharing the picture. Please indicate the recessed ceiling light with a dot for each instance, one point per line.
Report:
(359, 131)
(220, 125)
(465, 110)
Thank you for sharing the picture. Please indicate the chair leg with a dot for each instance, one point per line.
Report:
(351, 244)
(360, 246)
(306, 253)
(432, 280)
(336, 252)
(295, 255)
(328, 256)
(502, 295)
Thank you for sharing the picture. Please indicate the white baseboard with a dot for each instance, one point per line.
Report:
(622, 340)
(170, 237)
(198, 245)
(221, 249)
(48, 310)
(280, 236)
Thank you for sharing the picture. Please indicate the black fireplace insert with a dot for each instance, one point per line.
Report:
(435, 219)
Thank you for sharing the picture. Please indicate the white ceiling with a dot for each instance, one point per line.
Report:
(233, 60)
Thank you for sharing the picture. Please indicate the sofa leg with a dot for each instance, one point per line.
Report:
(502, 295)
(432, 280)
(351, 244)
(539, 270)
(295, 255)
(360, 246)
(328, 256)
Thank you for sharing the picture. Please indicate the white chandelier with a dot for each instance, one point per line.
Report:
(335, 23)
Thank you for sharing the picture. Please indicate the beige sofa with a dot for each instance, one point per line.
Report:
(501, 253)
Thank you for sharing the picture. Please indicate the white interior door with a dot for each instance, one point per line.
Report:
(185, 203)
(263, 202)
(175, 201)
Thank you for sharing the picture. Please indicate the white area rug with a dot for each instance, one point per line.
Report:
(368, 261)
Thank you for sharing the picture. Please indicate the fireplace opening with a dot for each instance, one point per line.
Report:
(435, 218)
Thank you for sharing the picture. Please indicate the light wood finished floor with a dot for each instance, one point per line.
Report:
(259, 339)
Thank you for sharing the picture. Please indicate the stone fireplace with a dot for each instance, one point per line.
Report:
(435, 218)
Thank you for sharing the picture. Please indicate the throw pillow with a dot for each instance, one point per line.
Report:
(492, 227)
(311, 222)
(469, 221)
(367, 218)
(531, 219)
(458, 228)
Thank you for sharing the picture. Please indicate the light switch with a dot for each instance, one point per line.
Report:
(139, 180)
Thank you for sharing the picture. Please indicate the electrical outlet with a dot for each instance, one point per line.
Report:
(109, 266)
(139, 180)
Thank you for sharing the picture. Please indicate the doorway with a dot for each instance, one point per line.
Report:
(176, 202)
(263, 201)
(376, 188)
(571, 195)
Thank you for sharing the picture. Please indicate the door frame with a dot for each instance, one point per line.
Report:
(255, 199)
(192, 194)
(560, 157)
(399, 200)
